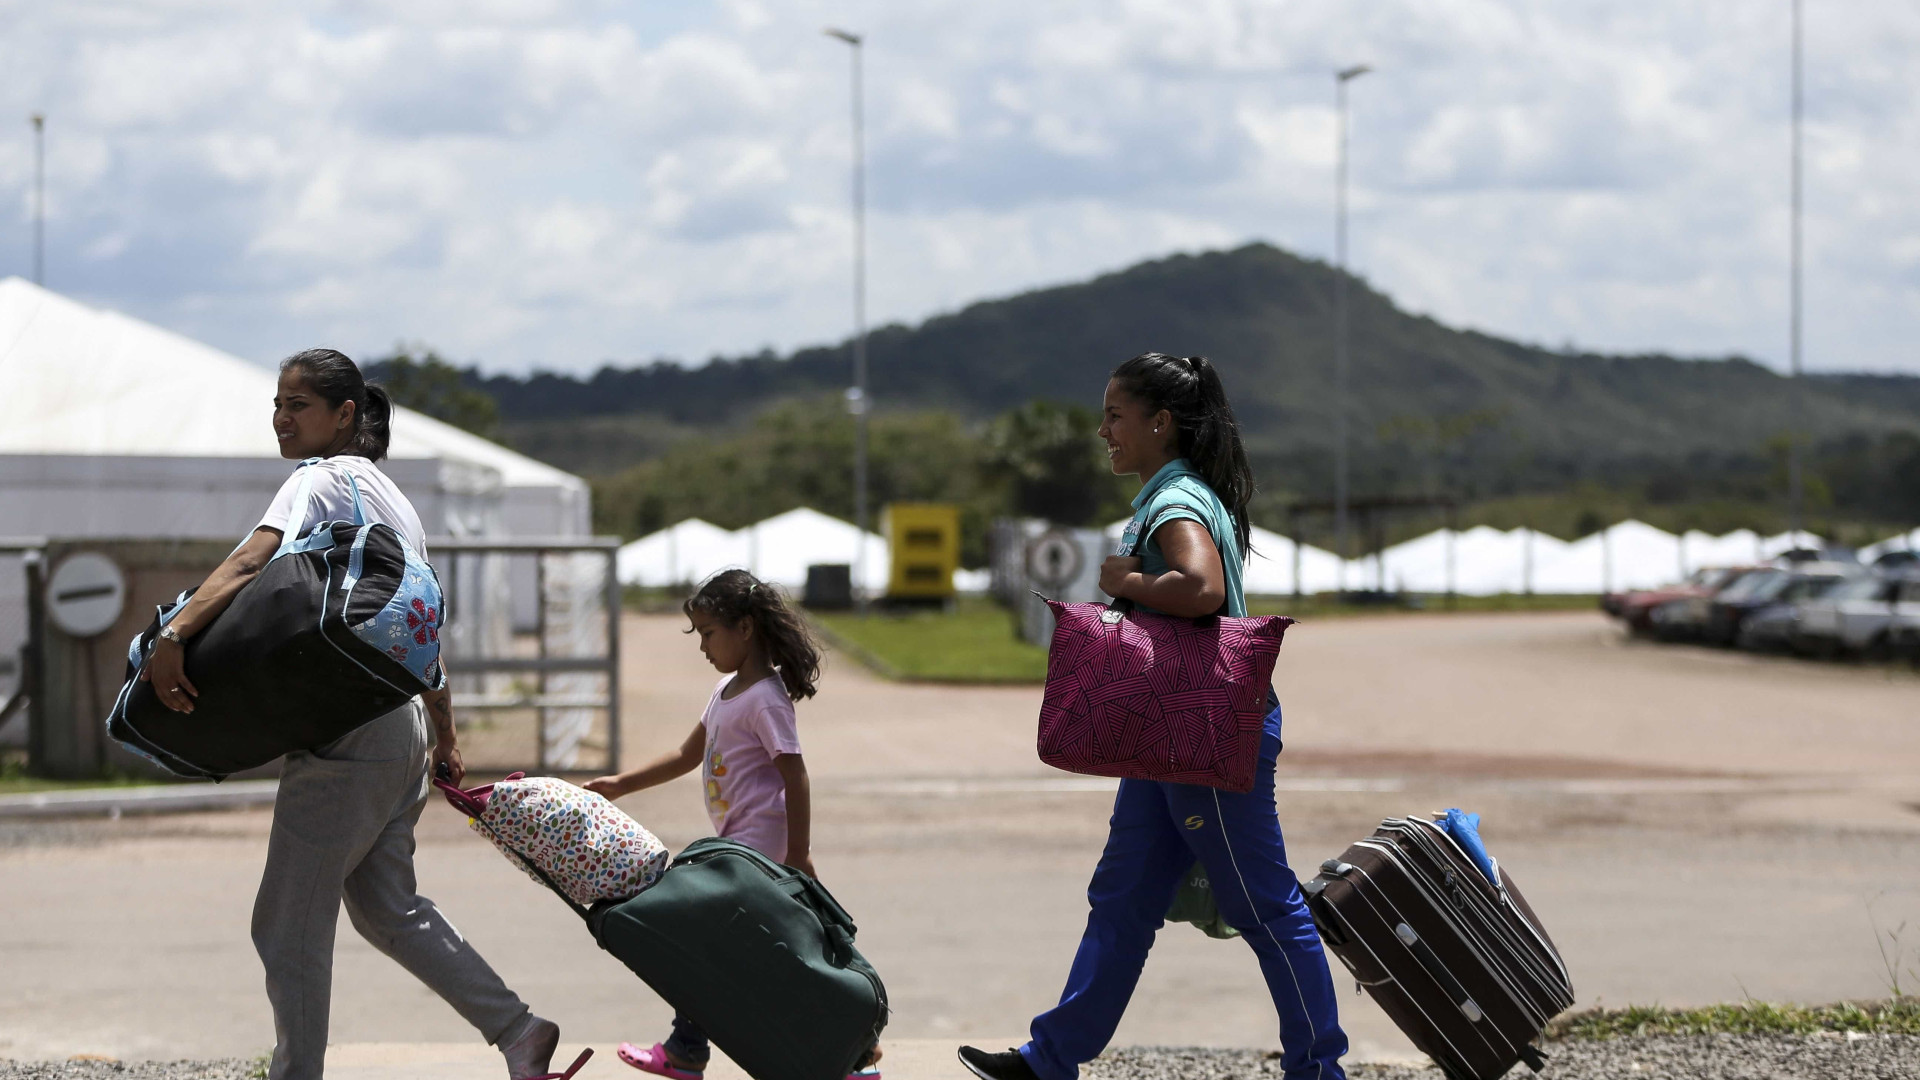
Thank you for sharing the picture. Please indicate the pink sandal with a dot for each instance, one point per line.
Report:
(655, 1061)
(571, 1069)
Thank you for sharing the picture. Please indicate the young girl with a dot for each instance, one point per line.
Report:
(748, 752)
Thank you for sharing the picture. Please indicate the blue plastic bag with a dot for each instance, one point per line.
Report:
(1465, 830)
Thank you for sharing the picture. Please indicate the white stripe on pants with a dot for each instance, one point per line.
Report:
(343, 830)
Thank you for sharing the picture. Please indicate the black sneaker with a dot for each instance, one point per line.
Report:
(1007, 1066)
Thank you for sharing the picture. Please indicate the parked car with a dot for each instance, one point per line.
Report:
(1903, 635)
(1856, 617)
(1635, 607)
(1687, 618)
(1730, 608)
(1773, 628)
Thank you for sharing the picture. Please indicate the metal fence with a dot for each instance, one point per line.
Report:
(559, 677)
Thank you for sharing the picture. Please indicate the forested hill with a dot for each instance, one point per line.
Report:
(1421, 389)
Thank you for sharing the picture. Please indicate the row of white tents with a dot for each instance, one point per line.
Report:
(1484, 561)
(1481, 561)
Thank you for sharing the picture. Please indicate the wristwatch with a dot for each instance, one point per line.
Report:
(170, 634)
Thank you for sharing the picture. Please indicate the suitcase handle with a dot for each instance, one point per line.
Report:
(1424, 953)
(839, 924)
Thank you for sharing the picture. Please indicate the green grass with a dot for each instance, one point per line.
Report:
(15, 781)
(1894, 1016)
(976, 642)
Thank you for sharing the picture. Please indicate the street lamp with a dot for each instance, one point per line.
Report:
(1340, 483)
(857, 402)
(39, 199)
(1795, 483)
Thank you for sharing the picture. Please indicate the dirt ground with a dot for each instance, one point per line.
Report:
(1692, 826)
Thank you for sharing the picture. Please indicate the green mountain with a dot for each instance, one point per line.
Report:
(1434, 408)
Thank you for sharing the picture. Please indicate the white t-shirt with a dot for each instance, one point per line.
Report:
(332, 499)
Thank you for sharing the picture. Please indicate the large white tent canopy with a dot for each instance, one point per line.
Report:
(113, 426)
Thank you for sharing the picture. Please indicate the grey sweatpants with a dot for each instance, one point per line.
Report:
(343, 830)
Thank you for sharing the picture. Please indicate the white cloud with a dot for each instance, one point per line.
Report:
(567, 182)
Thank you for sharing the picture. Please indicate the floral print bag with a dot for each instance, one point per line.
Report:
(566, 837)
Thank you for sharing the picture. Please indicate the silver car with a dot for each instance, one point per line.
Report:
(1857, 615)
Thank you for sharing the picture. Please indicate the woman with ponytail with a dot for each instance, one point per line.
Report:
(344, 815)
(1166, 420)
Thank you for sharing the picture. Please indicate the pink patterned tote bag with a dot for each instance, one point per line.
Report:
(580, 843)
(1156, 697)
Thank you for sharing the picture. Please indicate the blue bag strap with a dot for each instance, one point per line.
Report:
(359, 508)
(297, 513)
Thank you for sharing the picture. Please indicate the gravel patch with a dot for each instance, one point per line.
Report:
(1660, 1057)
(233, 1069)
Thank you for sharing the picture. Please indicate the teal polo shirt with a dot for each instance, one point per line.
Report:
(1177, 492)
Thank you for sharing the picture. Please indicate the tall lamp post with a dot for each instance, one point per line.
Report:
(39, 199)
(1795, 483)
(857, 402)
(1340, 469)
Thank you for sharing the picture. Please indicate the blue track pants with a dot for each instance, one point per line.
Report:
(1157, 832)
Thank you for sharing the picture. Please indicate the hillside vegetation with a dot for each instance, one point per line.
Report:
(1435, 410)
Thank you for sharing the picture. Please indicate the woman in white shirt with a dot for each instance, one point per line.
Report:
(343, 819)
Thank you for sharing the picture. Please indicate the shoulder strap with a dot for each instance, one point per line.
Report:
(359, 508)
(297, 513)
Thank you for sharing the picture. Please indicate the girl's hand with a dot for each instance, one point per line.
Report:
(1115, 572)
(609, 786)
(167, 671)
(804, 864)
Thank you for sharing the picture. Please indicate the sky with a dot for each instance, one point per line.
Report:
(561, 184)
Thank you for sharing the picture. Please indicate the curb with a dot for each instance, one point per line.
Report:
(157, 799)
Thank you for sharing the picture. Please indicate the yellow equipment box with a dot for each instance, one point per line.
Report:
(924, 539)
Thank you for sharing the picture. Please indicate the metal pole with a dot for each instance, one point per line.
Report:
(613, 602)
(39, 199)
(1795, 483)
(33, 669)
(857, 401)
(1340, 478)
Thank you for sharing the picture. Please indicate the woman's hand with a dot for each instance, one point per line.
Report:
(1116, 574)
(447, 755)
(167, 671)
(804, 864)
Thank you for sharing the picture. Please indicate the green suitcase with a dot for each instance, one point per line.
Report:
(759, 955)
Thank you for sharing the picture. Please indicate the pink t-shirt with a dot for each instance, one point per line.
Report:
(746, 796)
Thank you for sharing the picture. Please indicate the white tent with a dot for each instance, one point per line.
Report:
(783, 546)
(1485, 561)
(1628, 555)
(1909, 541)
(1698, 549)
(688, 552)
(113, 426)
(1270, 569)
(778, 549)
(1774, 546)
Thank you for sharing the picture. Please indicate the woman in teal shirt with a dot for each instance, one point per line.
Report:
(1167, 421)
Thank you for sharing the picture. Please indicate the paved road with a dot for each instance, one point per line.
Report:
(1692, 825)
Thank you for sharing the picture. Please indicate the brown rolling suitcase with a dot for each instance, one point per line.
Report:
(1463, 967)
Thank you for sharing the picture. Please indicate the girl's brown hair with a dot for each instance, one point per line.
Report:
(735, 596)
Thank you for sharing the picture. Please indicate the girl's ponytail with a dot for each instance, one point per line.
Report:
(735, 595)
(1189, 388)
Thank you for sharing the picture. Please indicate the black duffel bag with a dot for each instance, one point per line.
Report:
(340, 628)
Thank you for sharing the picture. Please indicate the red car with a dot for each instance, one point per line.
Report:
(1636, 608)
